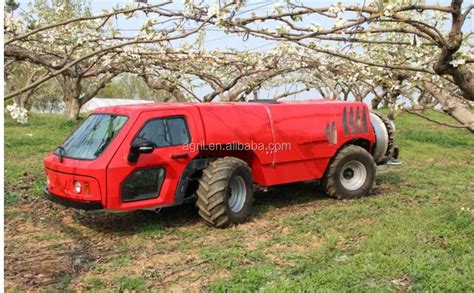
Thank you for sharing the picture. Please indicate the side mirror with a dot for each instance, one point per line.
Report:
(140, 146)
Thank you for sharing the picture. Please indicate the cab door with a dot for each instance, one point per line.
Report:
(152, 180)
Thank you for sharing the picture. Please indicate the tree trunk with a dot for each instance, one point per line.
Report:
(464, 79)
(376, 102)
(255, 95)
(23, 100)
(73, 107)
(72, 93)
(452, 105)
(75, 95)
(166, 86)
(462, 75)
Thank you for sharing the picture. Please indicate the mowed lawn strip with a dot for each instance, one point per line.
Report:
(415, 232)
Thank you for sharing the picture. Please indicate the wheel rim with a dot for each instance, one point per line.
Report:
(238, 194)
(353, 175)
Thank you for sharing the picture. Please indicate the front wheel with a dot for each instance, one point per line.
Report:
(351, 174)
(225, 192)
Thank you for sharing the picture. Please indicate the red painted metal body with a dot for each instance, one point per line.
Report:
(281, 142)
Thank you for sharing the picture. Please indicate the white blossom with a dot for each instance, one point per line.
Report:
(418, 76)
(336, 8)
(457, 62)
(315, 27)
(440, 15)
(213, 10)
(388, 10)
(18, 114)
(340, 21)
(278, 8)
(189, 7)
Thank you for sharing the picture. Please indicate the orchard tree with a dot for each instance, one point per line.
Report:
(407, 55)
(131, 86)
(81, 50)
(19, 74)
(192, 73)
(208, 76)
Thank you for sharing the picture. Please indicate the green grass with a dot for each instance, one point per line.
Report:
(120, 261)
(64, 281)
(128, 283)
(416, 232)
(25, 148)
(96, 283)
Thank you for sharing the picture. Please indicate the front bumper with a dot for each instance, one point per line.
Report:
(76, 204)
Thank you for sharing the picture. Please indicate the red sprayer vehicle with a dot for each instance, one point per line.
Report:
(156, 155)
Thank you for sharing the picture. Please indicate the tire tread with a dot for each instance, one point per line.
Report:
(212, 185)
(329, 183)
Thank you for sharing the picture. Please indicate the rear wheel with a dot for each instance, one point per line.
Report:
(225, 192)
(351, 174)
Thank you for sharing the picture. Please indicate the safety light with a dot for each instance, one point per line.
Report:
(78, 186)
(87, 188)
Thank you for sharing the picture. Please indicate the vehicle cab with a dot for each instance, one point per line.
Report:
(119, 158)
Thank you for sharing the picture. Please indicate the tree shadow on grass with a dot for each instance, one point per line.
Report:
(287, 195)
(134, 222)
(393, 178)
(187, 214)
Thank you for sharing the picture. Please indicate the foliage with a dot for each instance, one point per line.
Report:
(11, 5)
(130, 86)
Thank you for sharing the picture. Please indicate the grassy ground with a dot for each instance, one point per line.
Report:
(415, 233)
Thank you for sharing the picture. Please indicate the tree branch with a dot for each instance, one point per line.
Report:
(87, 56)
(84, 18)
(435, 121)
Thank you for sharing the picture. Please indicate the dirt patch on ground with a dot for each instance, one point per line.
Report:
(48, 246)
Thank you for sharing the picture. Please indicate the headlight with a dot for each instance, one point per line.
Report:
(47, 181)
(78, 186)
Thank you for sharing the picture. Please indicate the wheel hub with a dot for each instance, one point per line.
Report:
(348, 173)
(353, 175)
(237, 194)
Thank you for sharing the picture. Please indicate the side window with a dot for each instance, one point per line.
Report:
(178, 130)
(166, 131)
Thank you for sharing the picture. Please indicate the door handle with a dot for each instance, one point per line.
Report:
(179, 156)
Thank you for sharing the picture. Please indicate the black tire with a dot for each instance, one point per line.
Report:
(348, 157)
(214, 192)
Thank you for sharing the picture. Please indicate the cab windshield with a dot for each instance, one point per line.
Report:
(91, 139)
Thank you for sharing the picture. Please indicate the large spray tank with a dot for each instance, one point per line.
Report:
(385, 149)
